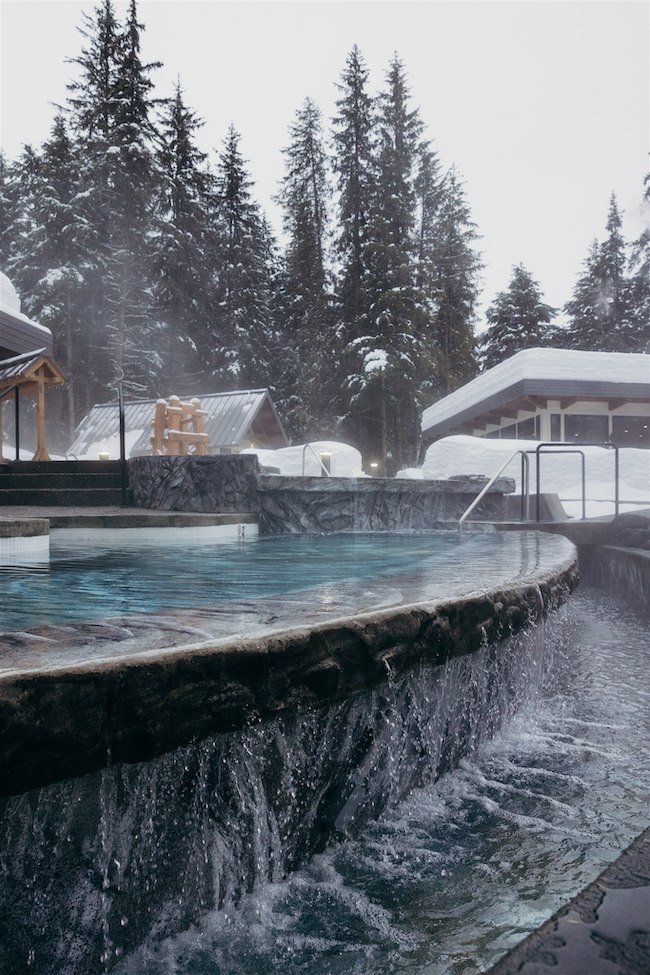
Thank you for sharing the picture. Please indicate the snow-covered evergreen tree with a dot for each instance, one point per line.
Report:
(601, 311)
(244, 332)
(55, 246)
(637, 332)
(184, 285)
(354, 166)
(518, 319)
(456, 282)
(383, 416)
(304, 196)
(8, 207)
(132, 337)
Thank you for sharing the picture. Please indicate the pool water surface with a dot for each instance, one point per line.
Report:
(102, 580)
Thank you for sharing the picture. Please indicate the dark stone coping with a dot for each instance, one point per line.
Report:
(23, 527)
(155, 519)
(66, 721)
(604, 930)
(471, 484)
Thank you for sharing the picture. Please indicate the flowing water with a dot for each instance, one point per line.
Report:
(458, 871)
(398, 832)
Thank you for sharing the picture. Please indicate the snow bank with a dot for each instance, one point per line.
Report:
(559, 474)
(345, 461)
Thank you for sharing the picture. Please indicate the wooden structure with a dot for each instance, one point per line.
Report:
(29, 374)
(179, 428)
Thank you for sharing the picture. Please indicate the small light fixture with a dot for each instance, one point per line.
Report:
(374, 467)
(326, 463)
(104, 455)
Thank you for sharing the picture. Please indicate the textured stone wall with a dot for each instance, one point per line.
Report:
(234, 483)
(336, 504)
(222, 483)
(66, 722)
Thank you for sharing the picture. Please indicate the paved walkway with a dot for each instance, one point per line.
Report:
(604, 930)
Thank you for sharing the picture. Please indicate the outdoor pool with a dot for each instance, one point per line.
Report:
(102, 579)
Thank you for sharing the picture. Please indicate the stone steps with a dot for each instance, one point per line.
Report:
(61, 483)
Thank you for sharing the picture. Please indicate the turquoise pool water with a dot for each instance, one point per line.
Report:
(100, 580)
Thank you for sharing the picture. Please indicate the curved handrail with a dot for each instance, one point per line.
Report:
(486, 487)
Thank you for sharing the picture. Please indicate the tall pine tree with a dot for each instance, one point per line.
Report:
(56, 247)
(309, 381)
(183, 285)
(456, 282)
(383, 415)
(244, 326)
(517, 319)
(354, 165)
(601, 311)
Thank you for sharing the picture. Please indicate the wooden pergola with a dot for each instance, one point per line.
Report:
(30, 374)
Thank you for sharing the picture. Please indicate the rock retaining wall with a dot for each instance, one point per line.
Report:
(204, 484)
(235, 483)
(336, 504)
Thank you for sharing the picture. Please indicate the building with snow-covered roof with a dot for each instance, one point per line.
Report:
(18, 333)
(551, 395)
(234, 421)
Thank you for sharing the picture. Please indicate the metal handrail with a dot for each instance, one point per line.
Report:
(563, 448)
(304, 450)
(486, 487)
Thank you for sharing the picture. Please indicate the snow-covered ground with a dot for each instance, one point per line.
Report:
(559, 474)
(345, 461)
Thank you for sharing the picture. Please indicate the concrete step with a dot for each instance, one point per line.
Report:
(66, 480)
(60, 467)
(81, 497)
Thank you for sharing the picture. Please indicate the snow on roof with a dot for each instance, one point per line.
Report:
(552, 367)
(9, 298)
(230, 416)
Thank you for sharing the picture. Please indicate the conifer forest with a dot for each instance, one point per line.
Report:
(153, 263)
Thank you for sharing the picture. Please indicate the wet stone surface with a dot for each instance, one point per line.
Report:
(605, 930)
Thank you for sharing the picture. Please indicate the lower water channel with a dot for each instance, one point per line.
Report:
(461, 869)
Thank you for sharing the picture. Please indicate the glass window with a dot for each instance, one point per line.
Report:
(526, 429)
(585, 429)
(556, 426)
(509, 432)
(631, 431)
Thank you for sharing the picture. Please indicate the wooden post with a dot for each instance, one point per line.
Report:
(41, 449)
(158, 424)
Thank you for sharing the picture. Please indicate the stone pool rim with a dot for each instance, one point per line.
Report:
(79, 718)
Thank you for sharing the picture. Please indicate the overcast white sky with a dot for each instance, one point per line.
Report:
(543, 105)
